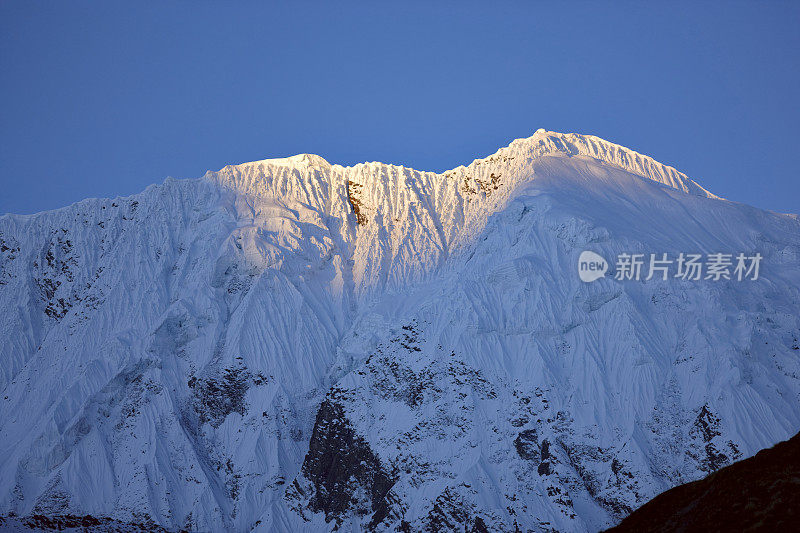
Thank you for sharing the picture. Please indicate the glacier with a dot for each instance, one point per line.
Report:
(291, 345)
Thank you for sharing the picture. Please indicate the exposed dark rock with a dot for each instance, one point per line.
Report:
(216, 397)
(527, 445)
(706, 430)
(545, 449)
(453, 512)
(465, 186)
(53, 275)
(353, 190)
(86, 523)
(449, 513)
(479, 526)
(492, 184)
(339, 464)
(519, 421)
(9, 250)
(544, 468)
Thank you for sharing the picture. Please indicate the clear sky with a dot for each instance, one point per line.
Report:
(101, 99)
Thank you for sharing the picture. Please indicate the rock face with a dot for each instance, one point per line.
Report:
(289, 345)
(342, 474)
(761, 493)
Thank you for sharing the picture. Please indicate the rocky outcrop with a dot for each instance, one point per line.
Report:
(341, 475)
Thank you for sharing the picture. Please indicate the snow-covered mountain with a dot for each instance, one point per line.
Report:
(290, 345)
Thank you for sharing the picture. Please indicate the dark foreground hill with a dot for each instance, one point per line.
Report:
(758, 494)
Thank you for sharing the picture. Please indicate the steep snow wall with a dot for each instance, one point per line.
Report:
(293, 345)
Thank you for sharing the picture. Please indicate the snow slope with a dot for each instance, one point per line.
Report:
(294, 345)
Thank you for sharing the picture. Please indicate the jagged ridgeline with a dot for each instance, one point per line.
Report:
(290, 345)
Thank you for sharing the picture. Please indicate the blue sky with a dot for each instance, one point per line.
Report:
(103, 98)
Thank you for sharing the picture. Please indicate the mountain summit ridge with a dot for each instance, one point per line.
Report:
(542, 143)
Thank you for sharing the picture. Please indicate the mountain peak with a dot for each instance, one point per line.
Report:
(295, 161)
(292, 345)
(544, 143)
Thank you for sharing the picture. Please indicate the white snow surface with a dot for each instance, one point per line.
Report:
(165, 356)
